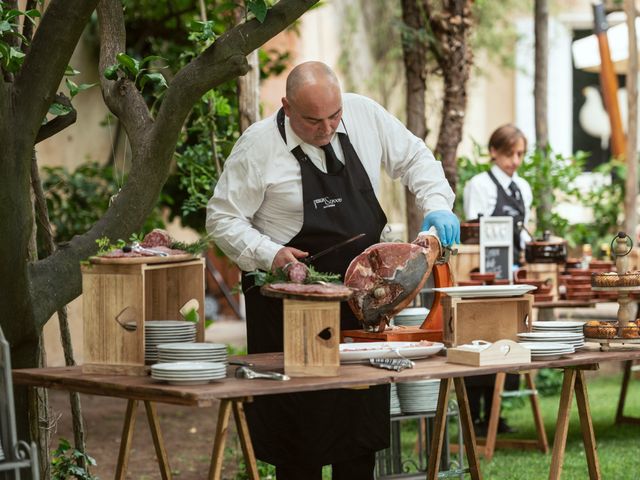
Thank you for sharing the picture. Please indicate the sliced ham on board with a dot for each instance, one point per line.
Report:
(386, 277)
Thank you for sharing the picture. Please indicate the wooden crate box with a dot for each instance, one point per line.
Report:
(117, 294)
(311, 338)
(489, 319)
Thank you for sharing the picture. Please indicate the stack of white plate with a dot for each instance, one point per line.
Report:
(2, 452)
(411, 317)
(165, 331)
(192, 352)
(548, 350)
(575, 339)
(395, 401)
(570, 326)
(188, 373)
(419, 396)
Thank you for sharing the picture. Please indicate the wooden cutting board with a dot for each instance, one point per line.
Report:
(181, 257)
(267, 291)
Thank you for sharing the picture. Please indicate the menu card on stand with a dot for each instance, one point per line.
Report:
(496, 246)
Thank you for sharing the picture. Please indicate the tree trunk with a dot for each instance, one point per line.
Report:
(452, 29)
(33, 290)
(541, 27)
(249, 93)
(414, 49)
(631, 182)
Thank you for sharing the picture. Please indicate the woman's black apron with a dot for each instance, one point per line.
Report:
(506, 206)
(329, 426)
(510, 206)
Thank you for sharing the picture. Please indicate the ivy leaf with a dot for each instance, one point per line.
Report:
(258, 8)
(5, 26)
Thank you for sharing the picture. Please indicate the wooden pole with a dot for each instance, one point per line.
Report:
(609, 82)
(631, 182)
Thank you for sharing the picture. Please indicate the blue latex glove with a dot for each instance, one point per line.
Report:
(447, 225)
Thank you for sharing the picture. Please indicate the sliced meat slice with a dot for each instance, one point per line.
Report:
(157, 238)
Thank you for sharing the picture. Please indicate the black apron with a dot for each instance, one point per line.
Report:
(508, 206)
(329, 426)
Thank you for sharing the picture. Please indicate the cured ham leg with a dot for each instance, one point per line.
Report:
(386, 277)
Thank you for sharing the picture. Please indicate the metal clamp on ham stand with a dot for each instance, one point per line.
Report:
(387, 278)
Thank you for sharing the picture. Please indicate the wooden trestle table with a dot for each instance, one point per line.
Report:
(232, 393)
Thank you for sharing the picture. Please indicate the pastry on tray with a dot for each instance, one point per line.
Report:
(600, 329)
(613, 279)
(630, 330)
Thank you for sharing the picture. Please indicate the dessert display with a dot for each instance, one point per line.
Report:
(615, 280)
(600, 329)
(623, 282)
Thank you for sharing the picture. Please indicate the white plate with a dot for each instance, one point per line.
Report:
(558, 324)
(545, 347)
(548, 335)
(358, 352)
(486, 291)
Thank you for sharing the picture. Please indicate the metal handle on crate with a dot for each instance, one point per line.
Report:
(127, 319)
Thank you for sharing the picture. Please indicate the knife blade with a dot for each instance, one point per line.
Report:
(332, 248)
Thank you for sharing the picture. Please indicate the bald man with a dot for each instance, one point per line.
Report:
(296, 183)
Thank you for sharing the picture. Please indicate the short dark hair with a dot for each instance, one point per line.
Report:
(504, 138)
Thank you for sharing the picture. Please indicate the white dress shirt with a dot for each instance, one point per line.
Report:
(481, 195)
(257, 205)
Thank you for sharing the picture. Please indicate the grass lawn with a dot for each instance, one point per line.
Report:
(618, 445)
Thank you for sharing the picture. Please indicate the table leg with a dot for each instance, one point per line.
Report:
(245, 440)
(492, 427)
(158, 441)
(562, 424)
(623, 390)
(217, 456)
(543, 443)
(125, 440)
(467, 429)
(440, 420)
(586, 424)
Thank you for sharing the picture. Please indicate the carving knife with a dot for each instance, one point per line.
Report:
(332, 248)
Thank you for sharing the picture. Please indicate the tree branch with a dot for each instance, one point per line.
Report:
(44, 66)
(121, 96)
(152, 154)
(221, 62)
(59, 123)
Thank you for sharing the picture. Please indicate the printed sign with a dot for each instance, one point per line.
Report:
(496, 246)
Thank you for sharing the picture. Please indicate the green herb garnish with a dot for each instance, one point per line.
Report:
(261, 277)
(194, 248)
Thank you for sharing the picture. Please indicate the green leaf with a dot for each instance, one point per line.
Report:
(258, 8)
(111, 72)
(151, 58)
(5, 26)
(70, 71)
(155, 78)
(130, 65)
(76, 89)
(59, 109)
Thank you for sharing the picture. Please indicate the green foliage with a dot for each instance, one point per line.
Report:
(549, 381)
(11, 58)
(77, 199)
(67, 463)
(553, 177)
(261, 277)
(135, 70)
